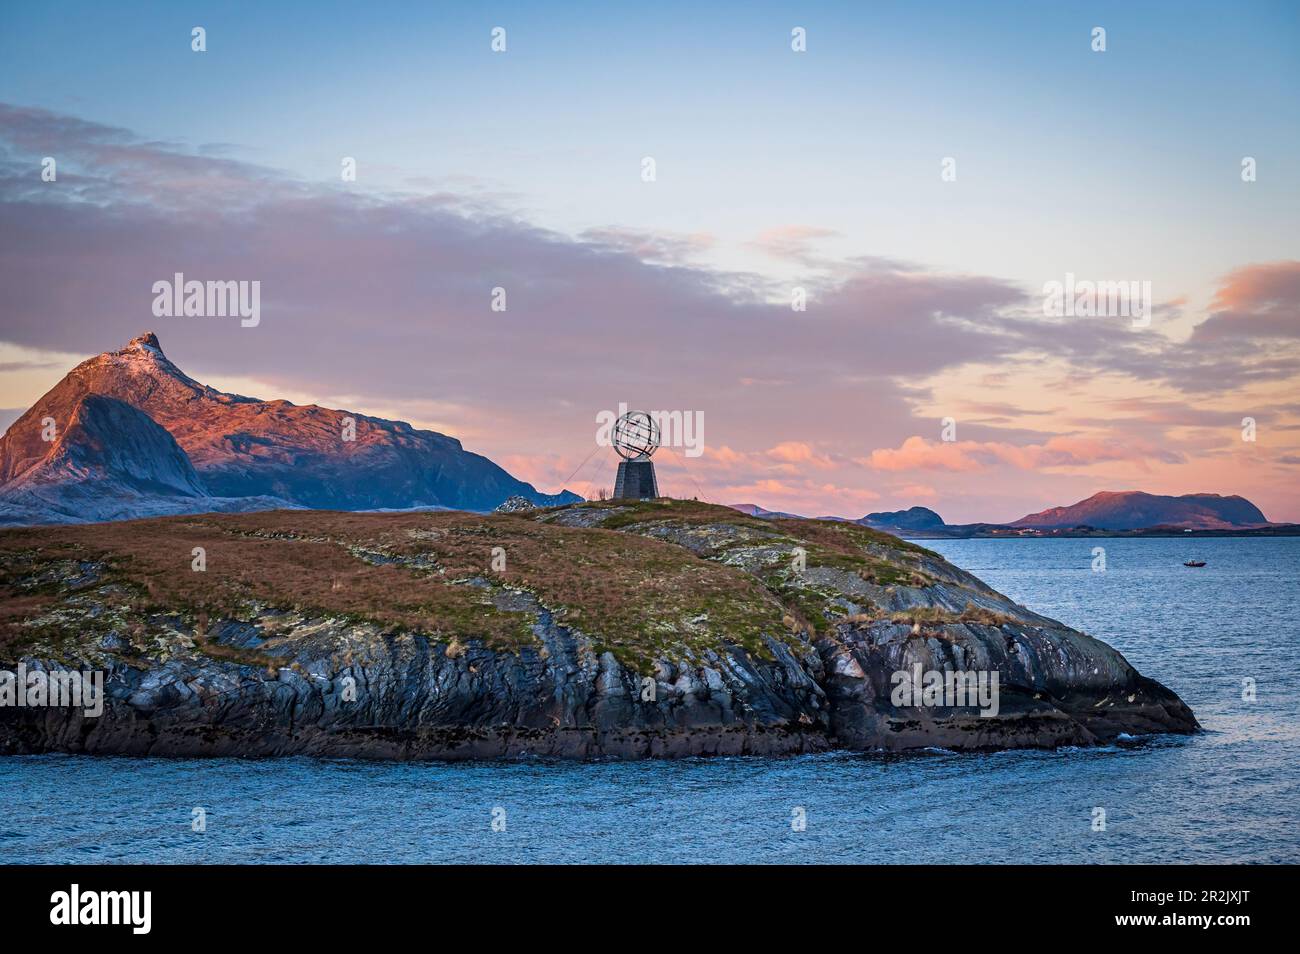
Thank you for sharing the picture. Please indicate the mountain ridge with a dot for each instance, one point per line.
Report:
(1137, 510)
(266, 453)
(1106, 512)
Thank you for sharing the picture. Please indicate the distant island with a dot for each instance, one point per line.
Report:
(1105, 514)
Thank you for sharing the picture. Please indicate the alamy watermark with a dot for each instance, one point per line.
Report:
(179, 298)
(59, 688)
(75, 906)
(683, 429)
(948, 689)
(1088, 299)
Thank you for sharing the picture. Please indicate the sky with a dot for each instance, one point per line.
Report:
(920, 171)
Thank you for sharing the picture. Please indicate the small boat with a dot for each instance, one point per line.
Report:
(1194, 563)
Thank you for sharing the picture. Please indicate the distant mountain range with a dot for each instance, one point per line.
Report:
(128, 434)
(1105, 513)
(1135, 510)
(754, 510)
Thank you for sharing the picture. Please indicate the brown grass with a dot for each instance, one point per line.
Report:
(16, 607)
(636, 597)
(153, 558)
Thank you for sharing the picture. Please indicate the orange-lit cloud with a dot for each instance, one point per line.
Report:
(797, 452)
(917, 453)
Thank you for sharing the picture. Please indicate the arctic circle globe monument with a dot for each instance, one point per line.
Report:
(635, 438)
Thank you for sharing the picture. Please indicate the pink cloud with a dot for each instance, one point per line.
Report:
(791, 242)
(1268, 286)
(797, 452)
(1255, 301)
(917, 453)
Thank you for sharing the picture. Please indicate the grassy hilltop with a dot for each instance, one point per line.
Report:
(474, 635)
(681, 576)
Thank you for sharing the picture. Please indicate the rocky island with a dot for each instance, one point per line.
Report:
(602, 629)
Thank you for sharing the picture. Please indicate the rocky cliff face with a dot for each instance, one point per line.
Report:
(105, 460)
(106, 439)
(262, 452)
(625, 630)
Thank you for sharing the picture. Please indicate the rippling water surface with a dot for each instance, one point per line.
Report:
(1231, 794)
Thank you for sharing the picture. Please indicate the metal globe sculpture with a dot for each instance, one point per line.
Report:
(635, 437)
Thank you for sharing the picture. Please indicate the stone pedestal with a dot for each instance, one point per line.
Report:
(636, 480)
